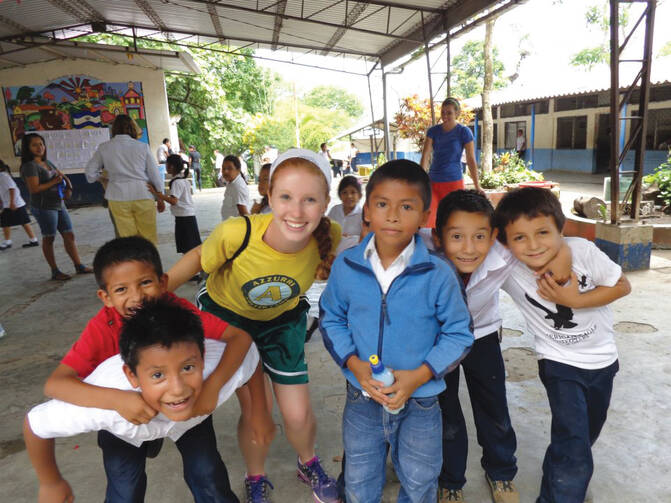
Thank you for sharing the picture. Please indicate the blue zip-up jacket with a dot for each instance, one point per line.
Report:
(421, 319)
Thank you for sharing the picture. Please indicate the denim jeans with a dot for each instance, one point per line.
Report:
(485, 377)
(579, 400)
(204, 470)
(413, 436)
(52, 221)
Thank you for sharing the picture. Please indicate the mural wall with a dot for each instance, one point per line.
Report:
(72, 103)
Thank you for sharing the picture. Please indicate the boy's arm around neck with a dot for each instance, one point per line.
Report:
(64, 384)
(53, 487)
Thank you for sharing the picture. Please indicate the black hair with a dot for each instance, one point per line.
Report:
(176, 160)
(129, 249)
(163, 322)
(165, 140)
(452, 101)
(234, 159)
(470, 201)
(322, 145)
(403, 170)
(349, 181)
(529, 202)
(4, 166)
(26, 154)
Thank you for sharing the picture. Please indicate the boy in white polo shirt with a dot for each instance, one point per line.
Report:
(465, 234)
(573, 330)
(166, 359)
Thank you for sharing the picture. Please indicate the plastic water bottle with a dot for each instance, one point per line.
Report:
(385, 376)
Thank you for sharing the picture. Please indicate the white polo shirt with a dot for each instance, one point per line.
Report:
(55, 418)
(351, 225)
(386, 276)
(181, 189)
(236, 193)
(7, 183)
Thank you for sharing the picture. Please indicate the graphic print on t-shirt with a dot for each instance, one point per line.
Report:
(270, 291)
(561, 318)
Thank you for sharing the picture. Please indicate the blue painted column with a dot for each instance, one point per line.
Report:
(533, 131)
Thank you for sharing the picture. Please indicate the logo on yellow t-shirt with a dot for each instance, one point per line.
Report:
(270, 291)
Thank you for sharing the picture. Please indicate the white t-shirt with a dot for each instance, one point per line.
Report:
(583, 338)
(218, 162)
(519, 143)
(181, 189)
(162, 153)
(350, 224)
(236, 193)
(6, 183)
(54, 419)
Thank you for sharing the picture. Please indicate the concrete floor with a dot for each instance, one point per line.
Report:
(42, 319)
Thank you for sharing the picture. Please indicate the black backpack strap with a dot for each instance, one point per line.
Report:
(245, 241)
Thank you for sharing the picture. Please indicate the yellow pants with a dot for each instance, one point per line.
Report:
(135, 218)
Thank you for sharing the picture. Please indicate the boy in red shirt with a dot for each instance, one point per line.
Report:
(128, 271)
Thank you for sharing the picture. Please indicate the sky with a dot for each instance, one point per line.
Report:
(556, 30)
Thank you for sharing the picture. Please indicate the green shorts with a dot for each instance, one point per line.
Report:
(280, 341)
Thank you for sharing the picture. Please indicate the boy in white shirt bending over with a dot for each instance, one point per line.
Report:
(575, 345)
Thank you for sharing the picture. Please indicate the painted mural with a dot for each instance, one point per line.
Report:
(75, 102)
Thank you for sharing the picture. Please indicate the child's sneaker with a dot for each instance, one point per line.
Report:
(503, 491)
(324, 488)
(256, 489)
(447, 495)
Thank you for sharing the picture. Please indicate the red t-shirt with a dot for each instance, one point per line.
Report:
(100, 338)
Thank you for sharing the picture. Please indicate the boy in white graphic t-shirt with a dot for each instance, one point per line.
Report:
(573, 330)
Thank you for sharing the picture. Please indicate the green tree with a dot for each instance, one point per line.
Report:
(468, 70)
(334, 98)
(597, 17)
(24, 94)
(665, 50)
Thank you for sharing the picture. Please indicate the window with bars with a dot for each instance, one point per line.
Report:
(572, 132)
(658, 134)
(576, 102)
(522, 109)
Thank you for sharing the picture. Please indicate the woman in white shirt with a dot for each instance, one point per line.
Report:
(236, 197)
(129, 165)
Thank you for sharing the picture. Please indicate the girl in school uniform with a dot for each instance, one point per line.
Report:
(236, 197)
(179, 197)
(13, 210)
(348, 212)
(259, 266)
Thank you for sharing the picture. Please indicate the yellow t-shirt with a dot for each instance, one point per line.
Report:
(261, 283)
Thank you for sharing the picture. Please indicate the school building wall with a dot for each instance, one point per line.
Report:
(155, 102)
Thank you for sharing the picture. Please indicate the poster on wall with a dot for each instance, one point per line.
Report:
(70, 150)
(73, 103)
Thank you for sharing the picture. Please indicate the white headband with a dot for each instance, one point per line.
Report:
(309, 156)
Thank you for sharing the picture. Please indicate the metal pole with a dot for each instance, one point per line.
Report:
(644, 96)
(475, 134)
(385, 115)
(373, 155)
(428, 71)
(614, 113)
(449, 65)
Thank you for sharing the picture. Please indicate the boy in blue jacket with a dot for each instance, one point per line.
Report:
(388, 296)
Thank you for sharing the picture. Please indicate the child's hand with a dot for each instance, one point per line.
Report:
(263, 428)
(207, 400)
(133, 408)
(152, 189)
(363, 374)
(160, 206)
(567, 295)
(407, 381)
(56, 492)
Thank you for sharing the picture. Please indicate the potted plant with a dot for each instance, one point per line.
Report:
(508, 171)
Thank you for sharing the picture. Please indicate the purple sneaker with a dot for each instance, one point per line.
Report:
(256, 489)
(324, 489)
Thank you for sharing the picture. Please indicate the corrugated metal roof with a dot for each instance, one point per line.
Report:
(149, 58)
(578, 82)
(379, 29)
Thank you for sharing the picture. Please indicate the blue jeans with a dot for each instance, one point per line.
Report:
(413, 436)
(485, 377)
(52, 221)
(579, 400)
(204, 470)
